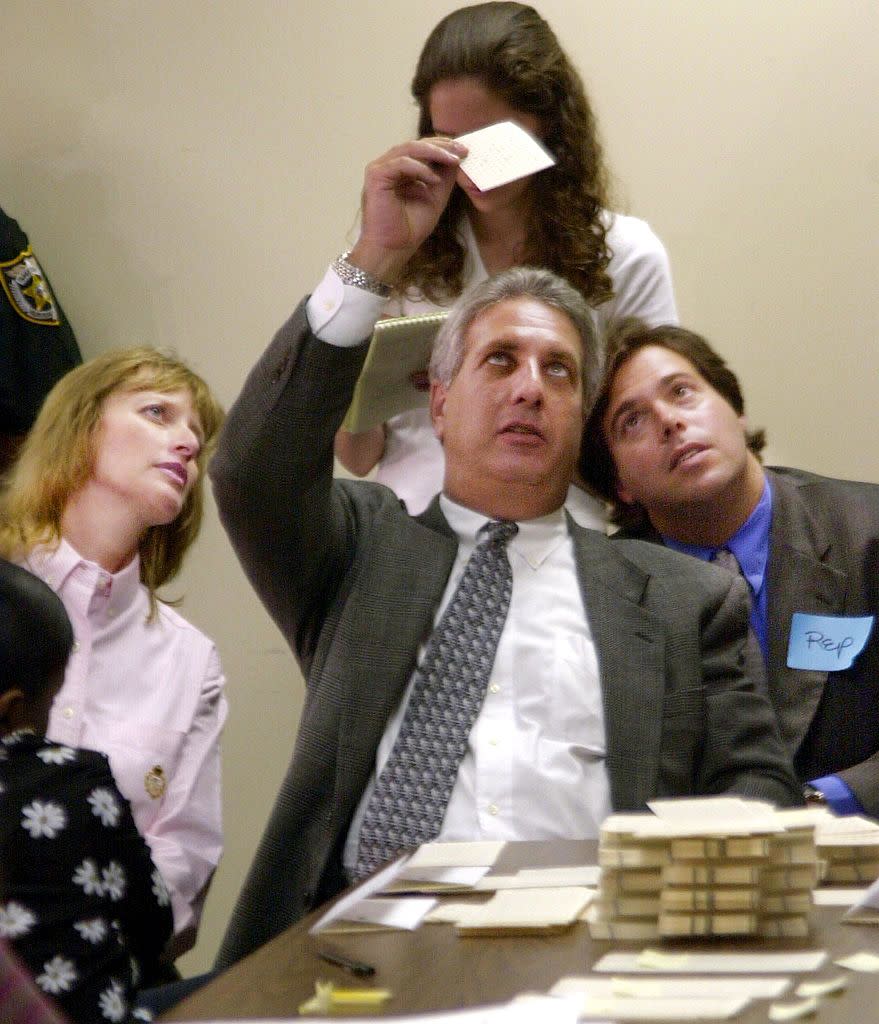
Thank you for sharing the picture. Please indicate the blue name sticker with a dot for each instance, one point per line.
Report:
(826, 643)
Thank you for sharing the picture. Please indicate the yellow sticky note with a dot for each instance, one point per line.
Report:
(328, 998)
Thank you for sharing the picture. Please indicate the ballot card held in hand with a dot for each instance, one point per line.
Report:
(502, 153)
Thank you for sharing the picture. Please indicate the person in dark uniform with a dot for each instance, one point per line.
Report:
(37, 343)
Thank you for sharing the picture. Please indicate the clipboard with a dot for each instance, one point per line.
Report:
(400, 346)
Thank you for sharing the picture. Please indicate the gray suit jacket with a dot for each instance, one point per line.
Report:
(354, 582)
(823, 559)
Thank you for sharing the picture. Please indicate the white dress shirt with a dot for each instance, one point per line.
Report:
(149, 695)
(535, 761)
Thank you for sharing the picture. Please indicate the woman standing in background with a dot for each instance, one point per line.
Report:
(483, 64)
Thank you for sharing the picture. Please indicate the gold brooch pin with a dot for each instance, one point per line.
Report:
(155, 782)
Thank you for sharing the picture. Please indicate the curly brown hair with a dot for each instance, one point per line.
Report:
(514, 53)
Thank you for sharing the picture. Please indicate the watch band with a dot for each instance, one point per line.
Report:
(349, 274)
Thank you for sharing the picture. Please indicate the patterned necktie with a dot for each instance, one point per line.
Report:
(409, 801)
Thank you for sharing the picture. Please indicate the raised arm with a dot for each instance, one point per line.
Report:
(273, 469)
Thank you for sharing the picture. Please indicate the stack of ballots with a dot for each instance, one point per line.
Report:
(849, 848)
(705, 867)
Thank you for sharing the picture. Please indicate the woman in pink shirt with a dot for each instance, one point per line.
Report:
(104, 501)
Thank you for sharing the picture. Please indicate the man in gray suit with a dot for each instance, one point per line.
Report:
(618, 673)
(668, 442)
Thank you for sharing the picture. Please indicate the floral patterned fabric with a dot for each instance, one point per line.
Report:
(81, 901)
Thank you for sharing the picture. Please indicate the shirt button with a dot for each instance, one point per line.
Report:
(67, 712)
(492, 809)
(494, 688)
(493, 741)
(111, 613)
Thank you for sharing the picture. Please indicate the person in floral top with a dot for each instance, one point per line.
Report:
(81, 902)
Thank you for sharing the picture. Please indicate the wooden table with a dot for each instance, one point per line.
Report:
(433, 969)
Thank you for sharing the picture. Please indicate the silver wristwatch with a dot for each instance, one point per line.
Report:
(349, 274)
(813, 796)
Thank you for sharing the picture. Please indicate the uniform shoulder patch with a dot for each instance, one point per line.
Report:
(28, 290)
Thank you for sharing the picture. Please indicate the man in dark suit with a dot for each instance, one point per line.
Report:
(618, 671)
(667, 441)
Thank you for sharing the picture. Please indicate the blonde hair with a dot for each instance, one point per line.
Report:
(58, 457)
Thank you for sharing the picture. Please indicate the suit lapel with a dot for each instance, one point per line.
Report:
(630, 647)
(799, 580)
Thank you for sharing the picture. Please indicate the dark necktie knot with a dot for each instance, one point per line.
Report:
(498, 531)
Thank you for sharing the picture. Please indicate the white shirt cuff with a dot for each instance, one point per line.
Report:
(342, 314)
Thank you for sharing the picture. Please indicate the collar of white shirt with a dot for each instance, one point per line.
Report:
(535, 541)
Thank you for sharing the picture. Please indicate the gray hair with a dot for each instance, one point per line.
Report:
(518, 282)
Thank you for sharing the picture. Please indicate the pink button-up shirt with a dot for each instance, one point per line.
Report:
(150, 696)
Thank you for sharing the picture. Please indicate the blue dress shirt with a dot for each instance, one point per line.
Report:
(750, 545)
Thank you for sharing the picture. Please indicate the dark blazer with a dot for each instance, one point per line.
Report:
(354, 582)
(37, 344)
(824, 559)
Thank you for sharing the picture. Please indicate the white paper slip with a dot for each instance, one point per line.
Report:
(793, 1011)
(823, 987)
(373, 884)
(845, 831)
(626, 1008)
(837, 897)
(528, 909)
(502, 153)
(802, 817)
(672, 988)
(456, 855)
(863, 961)
(450, 878)
(651, 961)
(530, 1007)
(451, 913)
(542, 878)
(722, 808)
(728, 814)
(525, 1010)
(403, 913)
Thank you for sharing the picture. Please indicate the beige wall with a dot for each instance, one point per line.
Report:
(185, 171)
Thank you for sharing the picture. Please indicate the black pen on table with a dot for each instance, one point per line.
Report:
(340, 959)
